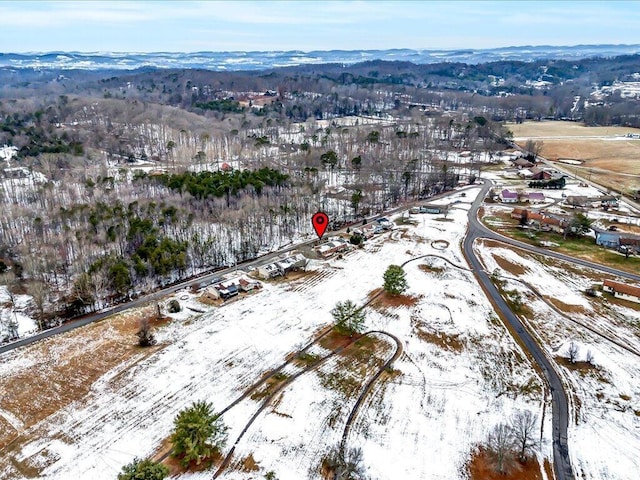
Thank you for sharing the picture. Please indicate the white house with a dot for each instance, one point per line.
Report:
(622, 290)
(282, 266)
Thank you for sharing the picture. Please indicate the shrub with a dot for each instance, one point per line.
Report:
(143, 470)
(174, 306)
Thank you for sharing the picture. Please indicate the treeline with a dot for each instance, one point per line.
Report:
(219, 184)
(554, 183)
(225, 106)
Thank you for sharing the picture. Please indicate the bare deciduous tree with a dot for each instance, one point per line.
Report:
(523, 427)
(572, 352)
(590, 357)
(500, 443)
(534, 148)
(40, 293)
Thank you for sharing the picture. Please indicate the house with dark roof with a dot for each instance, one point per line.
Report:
(622, 290)
(534, 197)
(630, 242)
(522, 163)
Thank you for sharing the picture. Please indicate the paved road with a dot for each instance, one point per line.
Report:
(480, 230)
(158, 295)
(152, 297)
(560, 408)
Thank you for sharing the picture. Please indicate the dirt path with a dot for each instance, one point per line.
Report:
(369, 386)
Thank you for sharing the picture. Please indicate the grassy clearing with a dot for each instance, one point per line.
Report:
(510, 267)
(306, 359)
(382, 300)
(582, 367)
(270, 386)
(513, 298)
(565, 129)
(67, 365)
(566, 308)
(481, 467)
(355, 365)
(611, 163)
(430, 268)
(247, 464)
(449, 342)
(583, 247)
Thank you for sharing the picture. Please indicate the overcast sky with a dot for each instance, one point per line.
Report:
(183, 26)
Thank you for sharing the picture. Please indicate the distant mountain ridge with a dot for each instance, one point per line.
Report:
(236, 61)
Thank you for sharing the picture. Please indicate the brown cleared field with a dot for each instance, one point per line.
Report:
(607, 156)
(550, 129)
(65, 367)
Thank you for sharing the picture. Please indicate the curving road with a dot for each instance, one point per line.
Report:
(560, 411)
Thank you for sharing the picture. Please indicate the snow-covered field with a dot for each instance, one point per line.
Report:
(605, 397)
(460, 374)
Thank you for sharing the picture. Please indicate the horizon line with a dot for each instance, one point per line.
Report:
(44, 52)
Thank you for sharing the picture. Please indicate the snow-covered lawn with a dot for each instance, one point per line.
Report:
(604, 441)
(460, 374)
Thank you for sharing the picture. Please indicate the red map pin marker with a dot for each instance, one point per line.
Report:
(320, 222)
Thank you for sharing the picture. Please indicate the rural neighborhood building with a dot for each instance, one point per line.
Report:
(617, 240)
(534, 197)
(544, 221)
(534, 173)
(268, 271)
(605, 202)
(522, 163)
(231, 287)
(291, 263)
(607, 239)
(622, 290)
(282, 266)
(630, 243)
(431, 209)
(508, 197)
(332, 247)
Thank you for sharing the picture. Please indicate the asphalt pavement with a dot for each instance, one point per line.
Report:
(560, 408)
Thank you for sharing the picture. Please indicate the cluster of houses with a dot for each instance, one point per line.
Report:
(542, 220)
(604, 202)
(530, 171)
(621, 241)
(368, 230)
